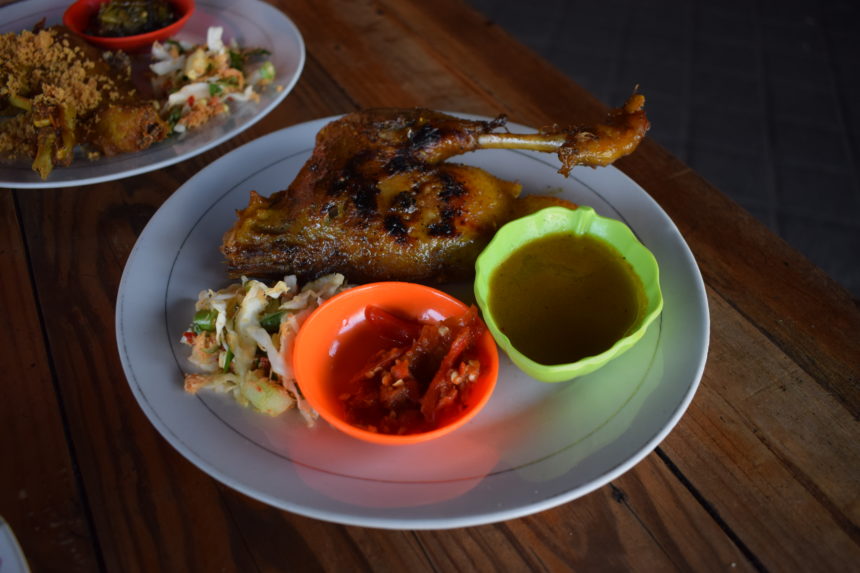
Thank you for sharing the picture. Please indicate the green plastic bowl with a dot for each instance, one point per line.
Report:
(580, 221)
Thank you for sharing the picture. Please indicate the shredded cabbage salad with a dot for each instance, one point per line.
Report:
(199, 80)
(238, 334)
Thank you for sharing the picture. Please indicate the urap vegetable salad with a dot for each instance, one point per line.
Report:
(199, 80)
(238, 334)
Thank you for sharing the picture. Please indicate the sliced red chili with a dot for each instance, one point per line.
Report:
(470, 329)
(408, 387)
(394, 327)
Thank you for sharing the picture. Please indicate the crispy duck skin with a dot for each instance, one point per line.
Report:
(377, 201)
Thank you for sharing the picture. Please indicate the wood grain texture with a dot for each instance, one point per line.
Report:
(770, 451)
(152, 510)
(643, 514)
(808, 315)
(435, 55)
(759, 475)
(599, 531)
(39, 495)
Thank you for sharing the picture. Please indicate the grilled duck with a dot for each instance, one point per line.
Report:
(377, 201)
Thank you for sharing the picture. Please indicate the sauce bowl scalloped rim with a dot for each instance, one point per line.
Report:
(582, 220)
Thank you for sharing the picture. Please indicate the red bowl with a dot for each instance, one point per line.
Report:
(78, 16)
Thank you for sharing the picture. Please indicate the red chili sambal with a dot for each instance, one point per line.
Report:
(420, 378)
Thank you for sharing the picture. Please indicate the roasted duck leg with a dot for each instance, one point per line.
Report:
(377, 201)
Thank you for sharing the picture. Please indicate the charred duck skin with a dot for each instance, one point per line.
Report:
(377, 201)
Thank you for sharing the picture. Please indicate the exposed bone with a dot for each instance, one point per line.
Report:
(595, 146)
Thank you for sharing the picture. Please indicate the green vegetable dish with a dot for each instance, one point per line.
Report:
(120, 18)
(241, 336)
(198, 81)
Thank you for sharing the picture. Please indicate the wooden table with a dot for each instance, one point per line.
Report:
(760, 474)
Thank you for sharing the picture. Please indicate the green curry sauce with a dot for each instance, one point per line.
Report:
(564, 297)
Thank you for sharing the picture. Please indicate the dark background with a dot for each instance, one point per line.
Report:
(762, 98)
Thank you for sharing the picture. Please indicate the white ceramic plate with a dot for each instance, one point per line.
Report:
(12, 559)
(533, 447)
(251, 22)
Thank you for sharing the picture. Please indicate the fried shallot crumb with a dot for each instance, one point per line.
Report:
(43, 70)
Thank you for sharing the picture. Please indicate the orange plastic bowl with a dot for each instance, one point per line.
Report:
(333, 345)
(77, 18)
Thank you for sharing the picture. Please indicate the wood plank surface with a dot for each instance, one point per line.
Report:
(760, 474)
(40, 497)
(770, 451)
(152, 510)
(807, 315)
(602, 530)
